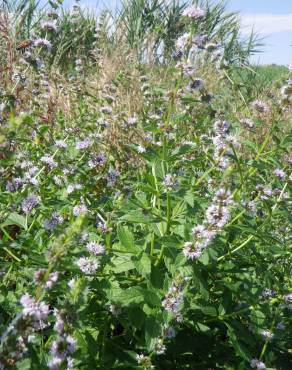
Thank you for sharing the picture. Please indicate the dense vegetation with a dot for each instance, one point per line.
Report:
(145, 165)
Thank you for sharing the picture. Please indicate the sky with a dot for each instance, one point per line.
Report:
(272, 19)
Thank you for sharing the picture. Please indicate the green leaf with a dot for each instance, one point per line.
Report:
(136, 316)
(136, 216)
(205, 258)
(190, 198)
(241, 350)
(127, 239)
(157, 277)
(210, 311)
(143, 264)
(137, 295)
(16, 219)
(152, 332)
(122, 262)
(203, 328)
(24, 364)
(129, 296)
(179, 210)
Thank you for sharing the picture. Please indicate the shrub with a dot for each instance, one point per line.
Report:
(145, 217)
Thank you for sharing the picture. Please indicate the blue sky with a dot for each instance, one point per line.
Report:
(271, 18)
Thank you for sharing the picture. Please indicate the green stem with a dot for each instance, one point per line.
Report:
(280, 197)
(152, 245)
(252, 236)
(267, 340)
(103, 341)
(238, 165)
(11, 254)
(6, 233)
(108, 241)
(230, 315)
(236, 249)
(160, 257)
(168, 213)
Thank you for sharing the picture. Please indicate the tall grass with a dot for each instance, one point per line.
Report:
(152, 27)
(148, 27)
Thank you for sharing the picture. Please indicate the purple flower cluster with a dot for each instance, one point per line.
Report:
(63, 346)
(36, 311)
(79, 209)
(144, 362)
(102, 226)
(280, 174)
(257, 364)
(160, 348)
(87, 265)
(170, 182)
(112, 176)
(83, 144)
(131, 121)
(95, 248)
(30, 176)
(40, 276)
(29, 203)
(267, 334)
(55, 220)
(195, 84)
(260, 106)
(216, 217)
(43, 42)
(221, 142)
(73, 187)
(264, 192)
(49, 26)
(247, 122)
(97, 160)
(193, 12)
(60, 350)
(175, 296)
(61, 144)
(267, 293)
(20, 332)
(14, 185)
(288, 298)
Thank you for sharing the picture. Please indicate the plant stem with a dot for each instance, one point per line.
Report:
(11, 254)
(236, 249)
(267, 339)
(232, 314)
(152, 245)
(168, 213)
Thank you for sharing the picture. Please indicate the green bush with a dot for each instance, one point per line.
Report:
(145, 221)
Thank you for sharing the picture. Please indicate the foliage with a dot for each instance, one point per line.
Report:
(152, 26)
(145, 214)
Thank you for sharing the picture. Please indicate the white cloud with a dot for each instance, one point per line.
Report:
(267, 23)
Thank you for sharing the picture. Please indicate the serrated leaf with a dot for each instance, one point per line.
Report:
(203, 328)
(190, 198)
(16, 219)
(210, 311)
(136, 216)
(122, 262)
(143, 264)
(137, 295)
(136, 316)
(152, 332)
(127, 239)
(238, 346)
